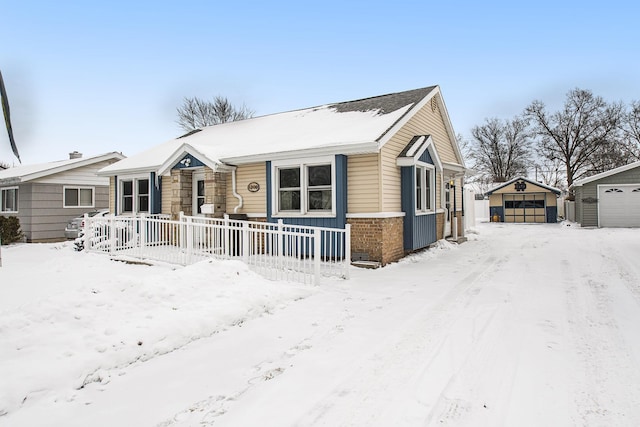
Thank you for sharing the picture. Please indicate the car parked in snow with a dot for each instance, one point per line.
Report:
(74, 226)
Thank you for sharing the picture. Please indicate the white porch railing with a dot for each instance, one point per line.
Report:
(277, 251)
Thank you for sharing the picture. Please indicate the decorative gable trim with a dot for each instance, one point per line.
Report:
(521, 178)
(430, 98)
(187, 153)
(416, 148)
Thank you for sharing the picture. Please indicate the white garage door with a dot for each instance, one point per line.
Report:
(619, 205)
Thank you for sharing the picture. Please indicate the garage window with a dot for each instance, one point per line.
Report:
(614, 190)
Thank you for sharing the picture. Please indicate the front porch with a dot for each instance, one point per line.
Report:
(277, 251)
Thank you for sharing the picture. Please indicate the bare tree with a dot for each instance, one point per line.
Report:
(550, 172)
(500, 149)
(631, 131)
(587, 126)
(195, 113)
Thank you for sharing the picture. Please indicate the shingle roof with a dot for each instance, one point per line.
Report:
(384, 103)
(337, 126)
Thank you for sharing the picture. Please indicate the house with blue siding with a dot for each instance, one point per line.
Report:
(388, 165)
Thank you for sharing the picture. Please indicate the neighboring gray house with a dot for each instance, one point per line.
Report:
(609, 199)
(46, 196)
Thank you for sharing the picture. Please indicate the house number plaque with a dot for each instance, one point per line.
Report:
(253, 187)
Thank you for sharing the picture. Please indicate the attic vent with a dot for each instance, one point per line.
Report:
(75, 155)
(434, 104)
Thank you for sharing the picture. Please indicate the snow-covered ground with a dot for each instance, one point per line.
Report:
(524, 325)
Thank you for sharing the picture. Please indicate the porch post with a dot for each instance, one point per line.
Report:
(112, 234)
(245, 242)
(189, 236)
(143, 231)
(347, 249)
(317, 256)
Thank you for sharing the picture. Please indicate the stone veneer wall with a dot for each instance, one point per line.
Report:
(181, 192)
(215, 191)
(380, 238)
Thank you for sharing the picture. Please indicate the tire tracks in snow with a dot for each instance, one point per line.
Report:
(423, 346)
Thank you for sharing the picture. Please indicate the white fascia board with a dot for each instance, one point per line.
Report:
(523, 178)
(347, 149)
(581, 182)
(74, 165)
(449, 126)
(147, 169)
(454, 167)
(376, 215)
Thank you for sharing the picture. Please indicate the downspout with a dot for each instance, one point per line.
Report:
(233, 190)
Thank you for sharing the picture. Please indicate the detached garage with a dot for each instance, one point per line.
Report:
(523, 200)
(609, 199)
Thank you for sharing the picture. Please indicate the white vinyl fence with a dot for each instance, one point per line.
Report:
(277, 251)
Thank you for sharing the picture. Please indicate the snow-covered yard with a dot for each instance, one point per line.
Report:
(524, 325)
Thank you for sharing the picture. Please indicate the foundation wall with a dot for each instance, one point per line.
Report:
(377, 239)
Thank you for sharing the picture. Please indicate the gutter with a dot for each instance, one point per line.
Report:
(233, 190)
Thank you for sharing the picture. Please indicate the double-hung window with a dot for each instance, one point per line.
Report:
(78, 197)
(304, 188)
(424, 188)
(9, 199)
(134, 195)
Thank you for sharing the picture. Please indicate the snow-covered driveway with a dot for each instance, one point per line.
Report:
(524, 325)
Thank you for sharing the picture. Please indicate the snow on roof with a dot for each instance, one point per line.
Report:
(26, 172)
(334, 125)
(522, 178)
(605, 174)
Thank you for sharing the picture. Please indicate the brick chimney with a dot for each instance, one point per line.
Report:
(75, 155)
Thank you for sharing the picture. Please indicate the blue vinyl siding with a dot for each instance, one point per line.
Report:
(193, 162)
(155, 194)
(338, 221)
(426, 157)
(552, 214)
(496, 210)
(419, 230)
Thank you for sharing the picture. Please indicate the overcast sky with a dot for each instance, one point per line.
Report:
(108, 76)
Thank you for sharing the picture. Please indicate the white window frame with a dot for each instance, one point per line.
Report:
(134, 179)
(302, 164)
(426, 170)
(70, 187)
(15, 199)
